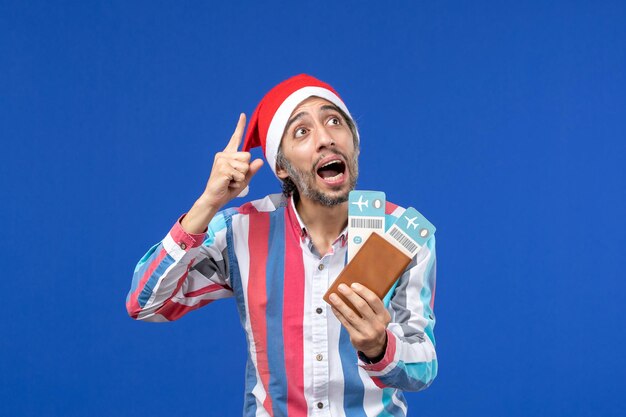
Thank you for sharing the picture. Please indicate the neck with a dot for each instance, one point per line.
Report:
(324, 224)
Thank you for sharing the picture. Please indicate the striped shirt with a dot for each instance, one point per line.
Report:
(300, 359)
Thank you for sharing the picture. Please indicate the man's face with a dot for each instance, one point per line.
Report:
(319, 153)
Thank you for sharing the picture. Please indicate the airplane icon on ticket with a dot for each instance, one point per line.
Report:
(361, 203)
(411, 222)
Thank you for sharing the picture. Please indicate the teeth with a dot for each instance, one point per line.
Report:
(335, 178)
(330, 163)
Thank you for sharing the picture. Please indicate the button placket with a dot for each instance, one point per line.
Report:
(332, 267)
(320, 336)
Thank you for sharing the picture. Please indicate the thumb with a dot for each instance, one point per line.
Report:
(254, 168)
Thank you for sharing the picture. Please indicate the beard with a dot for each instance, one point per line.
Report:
(305, 180)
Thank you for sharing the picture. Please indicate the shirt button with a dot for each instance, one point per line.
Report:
(320, 267)
(319, 310)
(320, 405)
(319, 356)
(183, 246)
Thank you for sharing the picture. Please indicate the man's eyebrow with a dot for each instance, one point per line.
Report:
(326, 107)
(330, 107)
(294, 119)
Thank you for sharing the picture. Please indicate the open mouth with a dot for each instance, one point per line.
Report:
(332, 171)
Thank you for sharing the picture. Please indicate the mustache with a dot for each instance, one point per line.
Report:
(339, 153)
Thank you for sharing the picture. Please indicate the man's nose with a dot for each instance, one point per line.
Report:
(324, 138)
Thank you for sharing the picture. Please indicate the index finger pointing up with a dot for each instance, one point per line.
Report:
(235, 139)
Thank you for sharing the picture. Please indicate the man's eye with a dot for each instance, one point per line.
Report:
(334, 121)
(298, 133)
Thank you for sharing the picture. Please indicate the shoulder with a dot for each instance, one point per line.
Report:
(393, 212)
(236, 216)
(392, 209)
(266, 204)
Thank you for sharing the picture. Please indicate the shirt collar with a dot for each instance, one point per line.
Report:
(300, 228)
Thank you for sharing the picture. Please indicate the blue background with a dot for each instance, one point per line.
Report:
(502, 122)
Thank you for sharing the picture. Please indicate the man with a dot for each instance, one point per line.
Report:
(277, 257)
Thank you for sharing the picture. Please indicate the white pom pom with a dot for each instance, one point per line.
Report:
(244, 192)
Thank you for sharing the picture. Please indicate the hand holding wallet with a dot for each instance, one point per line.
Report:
(377, 265)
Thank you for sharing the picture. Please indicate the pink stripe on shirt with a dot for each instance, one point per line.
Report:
(257, 296)
(293, 318)
(133, 306)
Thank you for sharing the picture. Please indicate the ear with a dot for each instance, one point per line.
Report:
(281, 172)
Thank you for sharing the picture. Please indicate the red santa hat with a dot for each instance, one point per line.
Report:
(269, 119)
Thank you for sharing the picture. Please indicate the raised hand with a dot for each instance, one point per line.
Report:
(231, 171)
(230, 174)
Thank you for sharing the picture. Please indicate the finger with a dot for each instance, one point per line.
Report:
(235, 139)
(240, 156)
(239, 166)
(254, 168)
(233, 156)
(370, 298)
(350, 315)
(236, 176)
(237, 186)
(229, 175)
(362, 307)
(345, 322)
(226, 166)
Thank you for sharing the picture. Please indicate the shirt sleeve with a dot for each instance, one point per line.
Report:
(410, 360)
(181, 273)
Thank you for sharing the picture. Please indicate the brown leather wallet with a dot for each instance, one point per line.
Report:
(377, 265)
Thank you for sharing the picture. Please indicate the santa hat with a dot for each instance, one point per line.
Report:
(269, 119)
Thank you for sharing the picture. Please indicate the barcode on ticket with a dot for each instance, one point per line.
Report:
(403, 239)
(364, 223)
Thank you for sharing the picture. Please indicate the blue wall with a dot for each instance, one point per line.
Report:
(503, 123)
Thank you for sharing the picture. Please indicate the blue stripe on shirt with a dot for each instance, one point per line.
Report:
(249, 405)
(275, 273)
(391, 409)
(233, 268)
(427, 288)
(146, 293)
(143, 261)
(353, 390)
(413, 376)
(143, 265)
